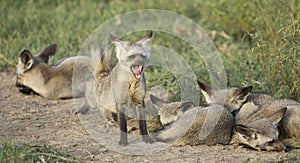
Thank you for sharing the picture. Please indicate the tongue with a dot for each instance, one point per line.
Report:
(137, 70)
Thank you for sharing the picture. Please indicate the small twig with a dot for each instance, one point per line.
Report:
(91, 156)
(6, 60)
(52, 155)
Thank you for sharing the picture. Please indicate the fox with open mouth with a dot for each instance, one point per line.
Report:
(120, 91)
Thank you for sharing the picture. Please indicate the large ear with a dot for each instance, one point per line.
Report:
(206, 90)
(276, 117)
(114, 38)
(187, 105)
(247, 132)
(159, 103)
(120, 44)
(241, 94)
(47, 53)
(26, 58)
(144, 41)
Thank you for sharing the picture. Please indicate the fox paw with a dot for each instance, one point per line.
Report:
(123, 142)
(83, 109)
(147, 139)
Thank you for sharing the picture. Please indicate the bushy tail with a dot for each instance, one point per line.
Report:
(102, 62)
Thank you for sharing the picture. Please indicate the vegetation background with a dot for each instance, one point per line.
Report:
(259, 41)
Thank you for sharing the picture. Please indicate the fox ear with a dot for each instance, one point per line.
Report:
(48, 53)
(276, 117)
(114, 38)
(187, 105)
(159, 103)
(206, 90)
(120, 44)
(26, 58)
(247, 132)
(144, 41)
(242, 94)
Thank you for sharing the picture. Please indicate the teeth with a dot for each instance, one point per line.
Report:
(135, 67)
(138, 76)
(137, 70)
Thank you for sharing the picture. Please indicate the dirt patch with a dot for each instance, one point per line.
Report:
(32, 119)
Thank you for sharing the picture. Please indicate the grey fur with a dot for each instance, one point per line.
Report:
(260, 115)
(120, 91)
(184, 123)
(53, 81)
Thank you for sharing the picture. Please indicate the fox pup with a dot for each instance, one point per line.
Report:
(52, 81)
(44, 57)
(120, 91)
(258, 117)
(172, 113)
(262, 133)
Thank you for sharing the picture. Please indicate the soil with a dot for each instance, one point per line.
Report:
(33, 119)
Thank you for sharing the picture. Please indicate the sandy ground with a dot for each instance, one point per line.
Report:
(32, 119)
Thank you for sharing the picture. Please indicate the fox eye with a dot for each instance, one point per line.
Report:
(177, 110)
(245, 137)
(130, 43)
(254, 136)
(270, 143)
(131, 57)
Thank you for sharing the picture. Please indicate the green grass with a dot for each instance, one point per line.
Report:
(32, 153)
(262, 48)
(289, 159)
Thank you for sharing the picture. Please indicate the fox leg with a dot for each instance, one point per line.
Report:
(122, 124)
(142, 123)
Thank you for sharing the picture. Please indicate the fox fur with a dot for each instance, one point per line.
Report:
(120, 91)
(52, 81)
(262, 122)
(189, 130)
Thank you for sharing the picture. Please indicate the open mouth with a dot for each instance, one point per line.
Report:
(137, 70)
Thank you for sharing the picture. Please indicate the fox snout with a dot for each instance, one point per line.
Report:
(21, 86)
(275, 145)
(137, 64)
